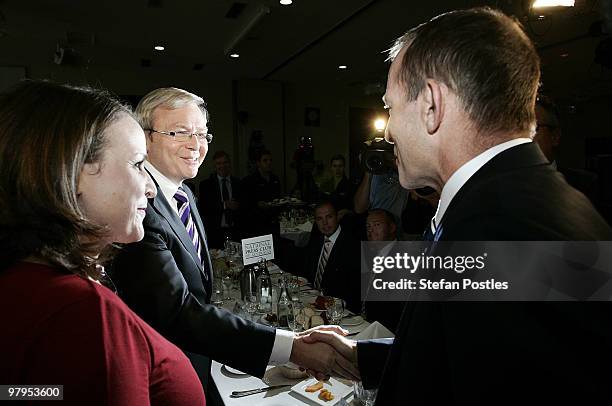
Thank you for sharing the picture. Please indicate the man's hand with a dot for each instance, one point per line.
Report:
(345, 347)
(321, 359)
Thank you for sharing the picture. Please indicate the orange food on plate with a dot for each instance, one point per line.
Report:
(315, 387)
(326, 395)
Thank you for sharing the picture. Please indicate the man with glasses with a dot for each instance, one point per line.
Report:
(167, 277)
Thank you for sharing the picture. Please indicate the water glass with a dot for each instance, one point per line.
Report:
(251, 305)
(228, 282)
(217, 296)
(365, 397)
(335, 310)
(295, 309)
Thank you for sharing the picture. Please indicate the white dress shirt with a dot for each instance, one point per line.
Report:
(333, 239)
(283, 342)
(466, 171)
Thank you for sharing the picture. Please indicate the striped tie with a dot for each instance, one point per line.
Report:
(430, 231)
(322, 262)
(185, 215)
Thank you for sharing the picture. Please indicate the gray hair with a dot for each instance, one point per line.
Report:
(168, 97)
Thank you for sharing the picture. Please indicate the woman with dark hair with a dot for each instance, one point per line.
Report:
(72, 182)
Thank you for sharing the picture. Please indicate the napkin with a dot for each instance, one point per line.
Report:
(374, 330)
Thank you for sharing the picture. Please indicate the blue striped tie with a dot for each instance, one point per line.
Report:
(185, 214)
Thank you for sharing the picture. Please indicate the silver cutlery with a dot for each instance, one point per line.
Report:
(239, 394)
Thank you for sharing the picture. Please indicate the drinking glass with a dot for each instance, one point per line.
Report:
(251, 305)
(335, 310)
(228, 282)
(293, 287)
(365, 397)
(292, 319)
(217, 296)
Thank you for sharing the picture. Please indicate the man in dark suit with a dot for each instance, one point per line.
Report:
(331, 263)
(548, 137)
(167, 277)
(219, 202)
(261, 187)
(461, 94)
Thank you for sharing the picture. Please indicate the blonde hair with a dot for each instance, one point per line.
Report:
(168, 97)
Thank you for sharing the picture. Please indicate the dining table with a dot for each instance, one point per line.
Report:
(228, 380)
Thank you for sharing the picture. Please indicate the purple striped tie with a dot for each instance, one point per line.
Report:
(185, 214)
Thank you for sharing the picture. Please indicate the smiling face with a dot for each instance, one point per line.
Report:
(113, 192)
(405, 128)
(177, 160)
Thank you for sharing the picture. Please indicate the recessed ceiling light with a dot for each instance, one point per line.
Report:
(564, 55)
(342, 67)
(286, 2)
(234, 55)
(159, 48)
(553, 3)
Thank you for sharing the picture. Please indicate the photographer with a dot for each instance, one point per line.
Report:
(380, 187)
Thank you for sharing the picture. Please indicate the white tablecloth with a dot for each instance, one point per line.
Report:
(227, 382)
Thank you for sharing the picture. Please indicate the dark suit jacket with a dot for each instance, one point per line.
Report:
(164, 282)
(506, 352)
(211, 206)
(341, 276)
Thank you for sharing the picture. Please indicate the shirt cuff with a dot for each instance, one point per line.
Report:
(281, 350)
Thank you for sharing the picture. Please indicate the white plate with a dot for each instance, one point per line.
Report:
(234, 370)
(337, 388)
(352, 321)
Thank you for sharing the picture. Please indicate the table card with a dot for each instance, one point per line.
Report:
(253, 249)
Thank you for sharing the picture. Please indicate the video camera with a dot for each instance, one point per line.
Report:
(377, 157)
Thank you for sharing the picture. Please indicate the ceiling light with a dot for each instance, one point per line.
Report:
(234, 55)
(342, 67)
(159, 48)
(286, 2)
(553, 3)
(379, 124)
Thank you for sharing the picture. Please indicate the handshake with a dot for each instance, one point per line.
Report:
(324, 351)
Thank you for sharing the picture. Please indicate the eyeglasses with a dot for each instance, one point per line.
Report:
(182, 136)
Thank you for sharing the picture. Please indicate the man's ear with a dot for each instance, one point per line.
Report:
(433, 98)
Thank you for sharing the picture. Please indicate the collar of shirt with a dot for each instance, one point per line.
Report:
(467, 170)
(553, 165)
(168, 187)
(334, 236)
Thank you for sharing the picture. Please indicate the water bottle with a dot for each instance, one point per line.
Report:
(264, 288)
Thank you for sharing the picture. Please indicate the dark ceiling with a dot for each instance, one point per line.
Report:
(305, 41)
